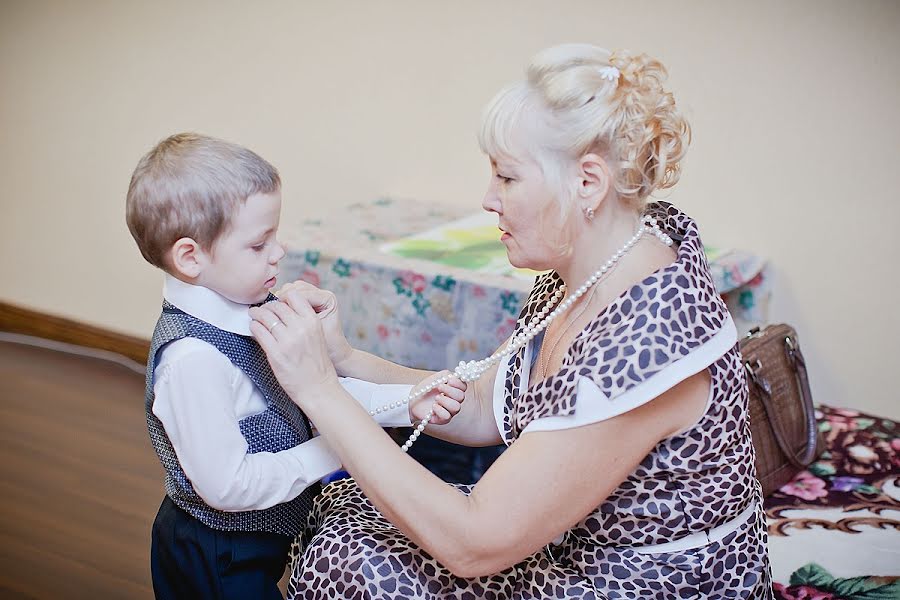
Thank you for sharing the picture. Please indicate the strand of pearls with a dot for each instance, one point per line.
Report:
(472, 370)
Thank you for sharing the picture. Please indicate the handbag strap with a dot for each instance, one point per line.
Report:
(796, 360)
(792, 349)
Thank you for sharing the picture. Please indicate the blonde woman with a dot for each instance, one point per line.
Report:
(629, 471)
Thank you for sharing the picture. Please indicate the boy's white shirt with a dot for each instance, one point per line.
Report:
(200, 395)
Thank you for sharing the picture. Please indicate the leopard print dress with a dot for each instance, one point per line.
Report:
(642, 541)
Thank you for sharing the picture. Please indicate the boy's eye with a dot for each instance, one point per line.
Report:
(503, 178)
(259, 247)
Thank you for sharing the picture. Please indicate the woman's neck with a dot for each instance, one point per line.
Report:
(597, 241)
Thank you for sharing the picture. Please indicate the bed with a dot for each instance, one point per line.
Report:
(834, 530)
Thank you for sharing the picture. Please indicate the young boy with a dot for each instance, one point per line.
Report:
(242, 466)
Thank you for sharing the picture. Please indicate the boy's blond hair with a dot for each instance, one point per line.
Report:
(190, 185)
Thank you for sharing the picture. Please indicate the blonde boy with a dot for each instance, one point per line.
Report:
(241, 464)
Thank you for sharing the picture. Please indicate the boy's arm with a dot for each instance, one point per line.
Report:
(197, 392)
(474, 425)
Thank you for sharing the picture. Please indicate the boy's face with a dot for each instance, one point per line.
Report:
(243, 262)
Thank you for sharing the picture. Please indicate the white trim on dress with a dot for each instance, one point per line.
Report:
(702, 538)
(594, 406)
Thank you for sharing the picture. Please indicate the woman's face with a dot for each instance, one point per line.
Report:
(528, 213)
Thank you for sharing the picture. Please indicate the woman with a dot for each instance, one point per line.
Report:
(629, 471)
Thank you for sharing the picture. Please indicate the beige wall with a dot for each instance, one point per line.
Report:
(794, 107)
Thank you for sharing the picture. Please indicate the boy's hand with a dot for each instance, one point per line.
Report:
(446, 399)
(324, 303)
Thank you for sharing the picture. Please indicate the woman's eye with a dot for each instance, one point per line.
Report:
(259, 247)
(503, 178)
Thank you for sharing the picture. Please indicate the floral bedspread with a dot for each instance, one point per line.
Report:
(834, 531)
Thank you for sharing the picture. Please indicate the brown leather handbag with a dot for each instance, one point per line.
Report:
(782, 417)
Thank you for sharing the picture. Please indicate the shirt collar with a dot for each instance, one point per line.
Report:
(207, 305)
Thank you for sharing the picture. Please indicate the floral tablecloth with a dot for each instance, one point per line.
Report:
(429, 314)
(834, 531)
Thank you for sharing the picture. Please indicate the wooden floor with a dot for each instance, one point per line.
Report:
(79, 481)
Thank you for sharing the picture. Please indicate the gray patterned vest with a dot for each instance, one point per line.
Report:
(280, 427)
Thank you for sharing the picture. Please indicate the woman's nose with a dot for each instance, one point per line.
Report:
(490, 202)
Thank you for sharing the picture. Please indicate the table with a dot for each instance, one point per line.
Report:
(430, 315)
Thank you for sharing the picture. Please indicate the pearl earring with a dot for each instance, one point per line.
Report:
(589, 213)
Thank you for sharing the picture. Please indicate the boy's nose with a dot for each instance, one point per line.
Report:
(278, 253)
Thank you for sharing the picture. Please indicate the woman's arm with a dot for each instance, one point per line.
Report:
(348, 361)
(474, 425)
(540, 487)
(368, 367)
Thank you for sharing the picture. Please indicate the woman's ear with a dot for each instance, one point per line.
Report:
(594, 181)
(188, 258)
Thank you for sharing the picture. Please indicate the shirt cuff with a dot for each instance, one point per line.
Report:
(316, 460)
(385, 395)
(372, 396)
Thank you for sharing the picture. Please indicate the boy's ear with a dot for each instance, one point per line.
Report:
(188, 258)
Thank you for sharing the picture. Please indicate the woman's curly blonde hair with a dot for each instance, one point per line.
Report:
(577, 99)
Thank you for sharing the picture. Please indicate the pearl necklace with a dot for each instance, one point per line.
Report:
(549, 354)
(472, 370)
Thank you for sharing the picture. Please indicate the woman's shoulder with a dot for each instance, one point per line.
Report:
(671, 289)
(661, 330)
(668, 316)
(682, 290)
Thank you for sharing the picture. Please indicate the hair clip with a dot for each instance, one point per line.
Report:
(609, 73)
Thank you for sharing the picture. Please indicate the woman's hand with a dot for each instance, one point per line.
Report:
(291, 335)
(446, 399)
(324, 303)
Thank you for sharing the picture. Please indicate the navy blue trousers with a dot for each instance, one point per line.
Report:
(192, 561)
